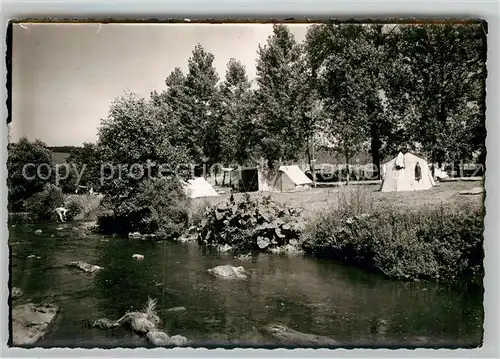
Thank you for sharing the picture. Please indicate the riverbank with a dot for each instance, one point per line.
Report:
(432, 235)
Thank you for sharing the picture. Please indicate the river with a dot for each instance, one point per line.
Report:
(305, 294)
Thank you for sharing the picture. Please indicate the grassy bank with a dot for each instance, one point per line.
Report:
(435, 235)
(443, 242)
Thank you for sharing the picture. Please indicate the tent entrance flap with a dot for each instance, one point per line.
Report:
(248, 180)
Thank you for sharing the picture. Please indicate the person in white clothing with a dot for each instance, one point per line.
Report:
(61, 212)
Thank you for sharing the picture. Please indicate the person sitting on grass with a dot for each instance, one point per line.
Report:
(61, 212)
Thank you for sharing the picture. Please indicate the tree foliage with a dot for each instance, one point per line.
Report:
(444, 82)
(238, 137)
(134, 144)
(25, 158)
(277, 97)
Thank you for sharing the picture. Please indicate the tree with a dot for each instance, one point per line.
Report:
(84, 165)
(238, 141)
(338, 62)
(204, 126)
(445, 87)
(29, 166)
(191, 104)
(370, 47)
(276, 97)
(134, 144)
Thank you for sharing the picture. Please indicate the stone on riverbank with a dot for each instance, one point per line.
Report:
(179, 340)
(160, 339)
(286, 336)
(31, 322)
(16, 292)
(228, 272)
(84, 266)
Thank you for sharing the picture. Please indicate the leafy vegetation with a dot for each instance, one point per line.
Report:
(438, 243)
(157, 208)
(42, 204)
(249, 224)
(24, 182)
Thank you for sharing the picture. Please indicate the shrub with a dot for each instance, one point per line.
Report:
(23, 186)
(249, 224)
(158, 207)
(83, 207)
(43, 204)
(441, 244)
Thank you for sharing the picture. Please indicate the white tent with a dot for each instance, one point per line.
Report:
(440, 173)
(291, 178)
(199, 187)
(250, 179)
(399, 174)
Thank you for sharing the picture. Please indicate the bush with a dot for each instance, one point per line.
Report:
(24, 186)
(441, 244)
(83, 207)
(43, 204)
(249, 224)
(158, 207)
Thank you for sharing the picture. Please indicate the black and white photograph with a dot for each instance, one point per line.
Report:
(247, 184)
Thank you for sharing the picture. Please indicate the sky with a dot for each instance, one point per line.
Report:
(65, 76)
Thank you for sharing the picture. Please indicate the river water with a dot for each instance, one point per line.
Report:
(307, 295)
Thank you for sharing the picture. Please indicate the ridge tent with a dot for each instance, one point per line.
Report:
(400, 174)
(291, 178)
(199, 187)
(249, 179)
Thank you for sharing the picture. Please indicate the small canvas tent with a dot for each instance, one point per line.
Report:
(440, 174)
(291, 178)
(199, 187)
(402, 174)
(249, 179)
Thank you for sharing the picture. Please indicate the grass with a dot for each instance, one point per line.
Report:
(318, 200)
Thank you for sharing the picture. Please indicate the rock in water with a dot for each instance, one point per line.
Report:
(286, 336)
(179, 340)
(31, 322)
(161, 339)
(38, 231)
(84, 266)
(16, 293)
(158, 338)
(228, 272)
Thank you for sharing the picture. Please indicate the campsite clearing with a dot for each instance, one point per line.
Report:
(316, 200)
